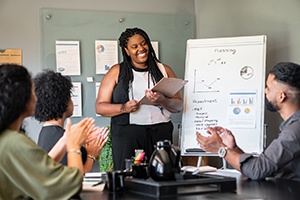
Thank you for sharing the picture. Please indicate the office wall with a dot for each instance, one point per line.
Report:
(20, 26)
(277, 19)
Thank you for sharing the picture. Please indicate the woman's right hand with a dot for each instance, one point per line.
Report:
(78, 133)
(130, 106)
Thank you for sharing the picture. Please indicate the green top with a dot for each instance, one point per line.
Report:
(27, 171)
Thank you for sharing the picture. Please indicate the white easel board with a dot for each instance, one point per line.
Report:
(226, 88)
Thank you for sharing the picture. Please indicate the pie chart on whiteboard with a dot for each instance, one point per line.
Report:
(246, 72)
(236, 110)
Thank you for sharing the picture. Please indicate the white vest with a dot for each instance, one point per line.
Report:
(147, 114)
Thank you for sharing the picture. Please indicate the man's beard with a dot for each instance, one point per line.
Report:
(271, 106)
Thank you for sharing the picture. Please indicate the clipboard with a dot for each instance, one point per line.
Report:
(167, 86)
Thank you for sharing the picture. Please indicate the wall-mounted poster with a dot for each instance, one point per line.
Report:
(155, 48)
(68, 57)
(77, 98)
(106, 55)
(12, 56)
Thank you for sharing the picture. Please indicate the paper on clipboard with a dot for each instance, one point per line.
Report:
(166, 86)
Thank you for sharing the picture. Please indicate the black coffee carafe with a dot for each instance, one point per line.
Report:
(165, 161)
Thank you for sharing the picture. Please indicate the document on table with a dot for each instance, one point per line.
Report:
(166, 86)
(200, 169)
(92, 187)
(93, 182)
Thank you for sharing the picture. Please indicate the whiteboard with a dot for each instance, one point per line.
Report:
(226, 88)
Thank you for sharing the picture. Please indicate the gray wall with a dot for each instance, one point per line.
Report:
(277, 19)
(20, 28)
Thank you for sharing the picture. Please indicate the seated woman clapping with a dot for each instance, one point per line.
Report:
(54, 105)
(26, 170)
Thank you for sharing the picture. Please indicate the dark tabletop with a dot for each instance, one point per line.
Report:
(272, 189)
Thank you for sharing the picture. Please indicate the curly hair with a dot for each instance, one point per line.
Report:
(15, 93)
(53, 91)
(156, 74)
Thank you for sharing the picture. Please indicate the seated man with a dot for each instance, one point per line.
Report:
(282, 157)
(54, 105)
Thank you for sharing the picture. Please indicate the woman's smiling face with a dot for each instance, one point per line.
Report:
(138, 50)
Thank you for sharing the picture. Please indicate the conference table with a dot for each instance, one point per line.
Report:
(271, 189)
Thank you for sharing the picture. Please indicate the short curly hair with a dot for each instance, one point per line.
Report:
(15, 93)
(53, 91)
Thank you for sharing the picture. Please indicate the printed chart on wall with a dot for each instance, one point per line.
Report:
(226, 88)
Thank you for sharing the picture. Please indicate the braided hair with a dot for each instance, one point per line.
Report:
(154, 71)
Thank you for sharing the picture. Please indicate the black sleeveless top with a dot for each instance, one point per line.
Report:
(120, 96)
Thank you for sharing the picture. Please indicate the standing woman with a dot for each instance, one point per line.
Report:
(26, 171)
(135, 126)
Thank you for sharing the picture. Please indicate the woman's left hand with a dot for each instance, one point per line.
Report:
(155, 97)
